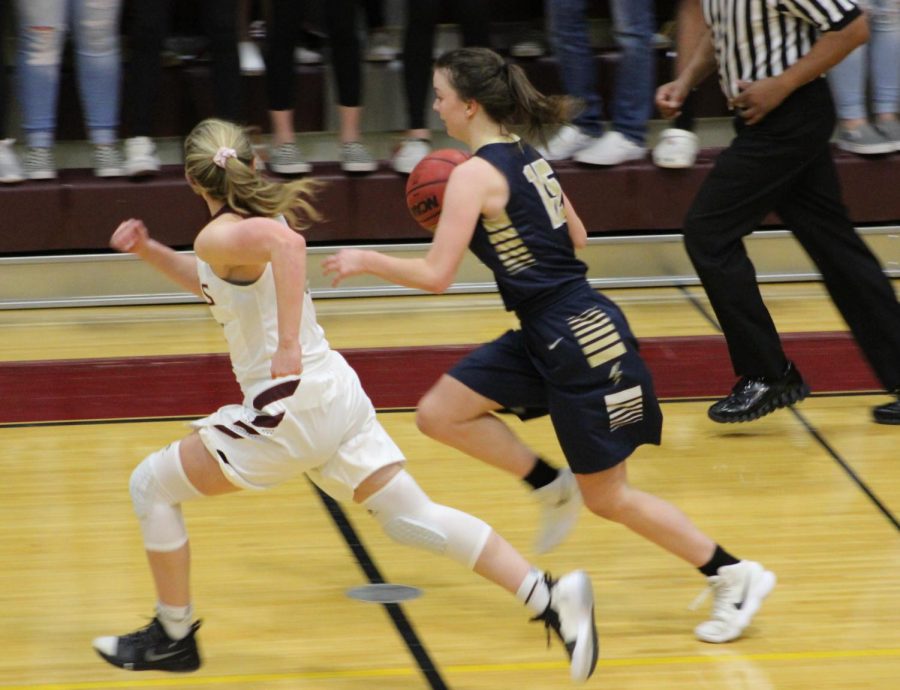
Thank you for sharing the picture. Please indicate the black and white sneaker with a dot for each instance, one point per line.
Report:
(570, 614)
(151, 649)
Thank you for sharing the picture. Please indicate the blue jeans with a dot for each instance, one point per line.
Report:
(876, 63)
(634, 24)
(43, 25)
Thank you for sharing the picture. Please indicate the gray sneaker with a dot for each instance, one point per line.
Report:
(356, 158)
(890, 130)
(864, 140)
(40, 163)
(108, 161)
(10, 168)
(285, 159)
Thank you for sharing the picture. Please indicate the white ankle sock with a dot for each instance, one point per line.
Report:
(175, 620)
(533, 592)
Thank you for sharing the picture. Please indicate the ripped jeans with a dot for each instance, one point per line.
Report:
(42, 29)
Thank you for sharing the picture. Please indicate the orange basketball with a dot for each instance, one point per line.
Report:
(426, 184)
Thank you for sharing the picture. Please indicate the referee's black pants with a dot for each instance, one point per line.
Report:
(784, 164)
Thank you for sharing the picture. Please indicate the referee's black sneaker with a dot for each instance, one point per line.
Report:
(755, 397)
(889, 413)
(151, 649)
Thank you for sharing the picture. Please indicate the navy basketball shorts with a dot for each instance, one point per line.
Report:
(578, 362)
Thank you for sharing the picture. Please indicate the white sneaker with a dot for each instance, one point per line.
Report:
(564, 143)
(250, 58)
(610, 149)
(381, 48)
(570, 615)
(10, 167)
(409, 154)
(140, 156)
(676, 149)
(738, 592)
(560, 502)
(305, 56)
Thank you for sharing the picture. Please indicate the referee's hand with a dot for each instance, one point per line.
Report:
(669, 99)
(759, 98)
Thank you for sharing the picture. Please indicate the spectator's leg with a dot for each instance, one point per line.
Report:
(4, 90)
(340, 19)
(149, 22)
(95, 28)
(567, 21)
(220, 20)
(634, 23)
(474, 20)
(418, 49)
(884, 64)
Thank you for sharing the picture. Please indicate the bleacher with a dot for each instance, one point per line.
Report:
(74, 215)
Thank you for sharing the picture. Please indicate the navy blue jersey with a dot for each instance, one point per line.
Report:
(527, 246)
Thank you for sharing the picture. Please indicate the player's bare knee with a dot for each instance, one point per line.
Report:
(430, 420)
(611, 506)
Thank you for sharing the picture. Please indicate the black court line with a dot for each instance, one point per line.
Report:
(395, 611)
(842, 463)
(846, 467)
(690, 297)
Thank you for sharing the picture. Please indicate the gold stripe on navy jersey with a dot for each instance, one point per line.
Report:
(625, 407)
(597, 336)
(507, 242)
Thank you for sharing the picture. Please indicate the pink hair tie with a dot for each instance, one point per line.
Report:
(222, 156)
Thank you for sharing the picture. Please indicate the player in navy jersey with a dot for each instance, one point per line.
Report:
(574, 356)
(303, 410)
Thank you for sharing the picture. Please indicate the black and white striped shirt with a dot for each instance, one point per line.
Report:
(755, 39)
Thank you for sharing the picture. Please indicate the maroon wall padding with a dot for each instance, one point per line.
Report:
(195, 385)
(78, 212)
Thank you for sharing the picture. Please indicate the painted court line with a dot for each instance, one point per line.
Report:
(635, 662)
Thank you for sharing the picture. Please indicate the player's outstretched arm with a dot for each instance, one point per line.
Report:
(132, 237)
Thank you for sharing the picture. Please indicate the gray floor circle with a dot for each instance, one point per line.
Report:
(384, 593)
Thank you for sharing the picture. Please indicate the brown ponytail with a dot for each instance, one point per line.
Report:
(503, 90)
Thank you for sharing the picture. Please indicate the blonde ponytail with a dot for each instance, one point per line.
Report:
(218, 157)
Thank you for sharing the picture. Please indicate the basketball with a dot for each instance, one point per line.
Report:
(426, 184)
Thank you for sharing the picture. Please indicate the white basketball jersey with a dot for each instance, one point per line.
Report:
(249, 316)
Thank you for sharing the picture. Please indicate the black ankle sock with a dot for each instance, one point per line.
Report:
(541, 474)
(719, 558)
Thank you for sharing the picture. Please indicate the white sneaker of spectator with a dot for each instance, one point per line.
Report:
(381, 48)
(409, 154)
(567, 141)
(610, 149)
(305, 56)
(10, 167)
(251, 58)
(140, 156)
(676, 148)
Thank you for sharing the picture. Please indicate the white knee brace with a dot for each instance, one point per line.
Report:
(409, 517)
(158, 486)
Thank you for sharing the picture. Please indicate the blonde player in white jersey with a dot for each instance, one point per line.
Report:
(303, 411)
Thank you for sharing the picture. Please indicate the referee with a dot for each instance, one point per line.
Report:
(771, 57)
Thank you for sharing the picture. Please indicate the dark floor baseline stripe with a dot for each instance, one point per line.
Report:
(846, 467)
(401, 622)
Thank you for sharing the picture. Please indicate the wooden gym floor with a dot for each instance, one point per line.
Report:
(812, 492)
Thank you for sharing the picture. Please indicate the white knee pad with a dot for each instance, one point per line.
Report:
(158, 486)
(409, 517)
